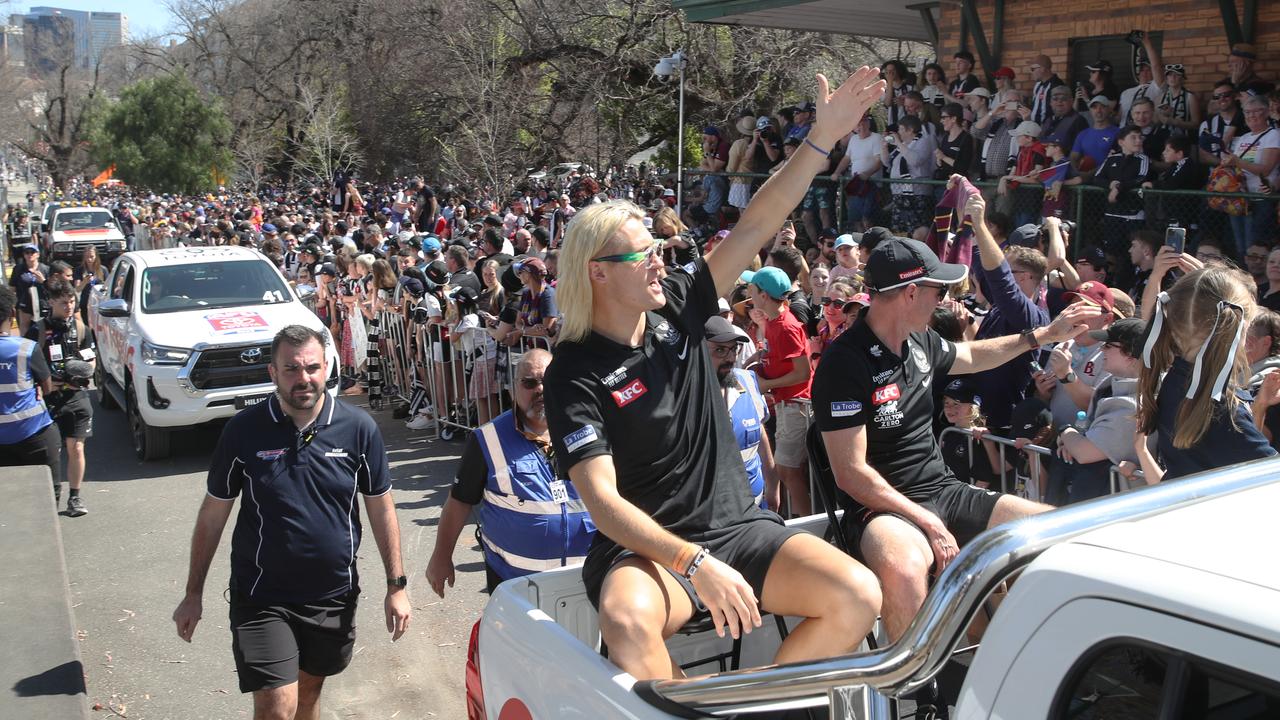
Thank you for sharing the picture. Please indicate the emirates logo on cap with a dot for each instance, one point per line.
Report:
(911, 273)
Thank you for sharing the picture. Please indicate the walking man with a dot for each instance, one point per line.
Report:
(299, 458)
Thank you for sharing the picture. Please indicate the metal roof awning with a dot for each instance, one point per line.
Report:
(894, 19)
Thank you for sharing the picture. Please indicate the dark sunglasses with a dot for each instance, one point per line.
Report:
(529, 383)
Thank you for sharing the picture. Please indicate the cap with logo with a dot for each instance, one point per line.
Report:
(898, 262)
(1100, 66)
(771, 281)
(719, 330)
(962, 390)
(1095, 256)
(1095, 294)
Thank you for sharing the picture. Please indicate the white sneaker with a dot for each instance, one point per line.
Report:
(420, 422)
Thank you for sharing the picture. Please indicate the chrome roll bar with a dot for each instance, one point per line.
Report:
(938, 628)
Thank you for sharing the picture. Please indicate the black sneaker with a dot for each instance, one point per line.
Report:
(75, 506)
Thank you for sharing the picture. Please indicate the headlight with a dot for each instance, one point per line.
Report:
(116, 244)
(161, 355)
(63, 247)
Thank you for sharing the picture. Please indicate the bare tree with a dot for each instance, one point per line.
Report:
(327, 143)
(58, 124)
(254, 150)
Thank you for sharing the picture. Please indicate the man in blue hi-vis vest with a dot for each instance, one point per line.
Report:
(529, 519)
(27, 433)
(747, 409)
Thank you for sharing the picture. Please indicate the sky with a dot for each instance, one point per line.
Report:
(146, 17)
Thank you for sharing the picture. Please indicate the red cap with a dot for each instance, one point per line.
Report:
(1004, 72)
(1096, 294)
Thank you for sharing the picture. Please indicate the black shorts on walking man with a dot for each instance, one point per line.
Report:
(297, 461)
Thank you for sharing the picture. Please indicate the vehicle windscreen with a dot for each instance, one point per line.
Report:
(211, 285)
(90, 220)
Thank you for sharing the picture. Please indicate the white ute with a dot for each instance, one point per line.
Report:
(184, 337)
(1156, 603)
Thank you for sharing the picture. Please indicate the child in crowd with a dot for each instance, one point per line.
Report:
(971, 460)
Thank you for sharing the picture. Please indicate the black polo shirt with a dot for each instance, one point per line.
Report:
(861, 381)
(657, 410)
(298, 529)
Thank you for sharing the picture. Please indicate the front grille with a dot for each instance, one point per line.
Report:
(220, 368)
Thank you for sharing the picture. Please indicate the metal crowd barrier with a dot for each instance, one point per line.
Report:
(1118, 482)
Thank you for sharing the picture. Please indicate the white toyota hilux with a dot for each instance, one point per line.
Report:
(184, 337)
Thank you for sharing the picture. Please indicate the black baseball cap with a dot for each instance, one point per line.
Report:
(899, 261)
(437, 272)
(719, 330)
(962, 390)
(1101, 66)
(1029, 418)
(1025, 235)
(1095, 256)
(1125, 332)
(873, 237)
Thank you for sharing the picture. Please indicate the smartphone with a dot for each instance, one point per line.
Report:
(1176, 238)
(1011, 105)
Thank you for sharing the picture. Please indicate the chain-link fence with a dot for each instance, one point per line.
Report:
(1226, 222)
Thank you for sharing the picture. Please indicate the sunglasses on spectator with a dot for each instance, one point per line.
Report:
(650, 256)
(942, 289)
(530, 383)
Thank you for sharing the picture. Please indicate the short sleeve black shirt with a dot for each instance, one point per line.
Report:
(473, 473)
(657, 410)
(861, 381)
(298, 529)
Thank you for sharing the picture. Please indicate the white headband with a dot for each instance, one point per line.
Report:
(1219, 383)
(1157, 324)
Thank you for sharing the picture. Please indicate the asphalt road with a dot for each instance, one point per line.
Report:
(127, 562)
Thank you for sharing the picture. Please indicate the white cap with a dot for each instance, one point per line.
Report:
(1101, 99)
(724, 306)
(1026, 127)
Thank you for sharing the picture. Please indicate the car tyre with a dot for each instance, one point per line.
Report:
(105, 399)
(149, 443)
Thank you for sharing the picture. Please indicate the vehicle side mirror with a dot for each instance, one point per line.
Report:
(114, 308)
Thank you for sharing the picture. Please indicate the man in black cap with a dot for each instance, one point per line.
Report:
(874, 403)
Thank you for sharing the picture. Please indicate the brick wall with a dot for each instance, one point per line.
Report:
(1192, 29)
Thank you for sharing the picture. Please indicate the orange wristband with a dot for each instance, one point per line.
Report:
(684, 557)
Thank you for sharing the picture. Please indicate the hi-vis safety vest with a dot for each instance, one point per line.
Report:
(22, 414)
(748, 412)
(530, 521)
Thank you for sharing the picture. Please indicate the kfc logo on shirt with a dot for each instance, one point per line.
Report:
(886, 394)
(628, 394)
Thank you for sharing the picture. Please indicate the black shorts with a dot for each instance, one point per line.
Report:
(72, 412)
(272, 642)
(747, 547)
(965, 510)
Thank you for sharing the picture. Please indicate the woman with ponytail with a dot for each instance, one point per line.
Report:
(1192, 386)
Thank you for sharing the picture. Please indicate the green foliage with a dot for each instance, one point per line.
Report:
(162, 135)
(666, 155)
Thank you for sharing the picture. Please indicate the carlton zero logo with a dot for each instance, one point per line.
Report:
(627, 395)
(886, 394)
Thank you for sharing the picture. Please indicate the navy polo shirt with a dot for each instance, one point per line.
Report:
(1226, 441)
(298, 530)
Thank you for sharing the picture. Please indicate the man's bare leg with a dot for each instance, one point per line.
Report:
(899, 555)
(838, 597)
(309, 687)
(641, 605)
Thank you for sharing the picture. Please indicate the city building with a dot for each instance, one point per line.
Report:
(90, 34)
